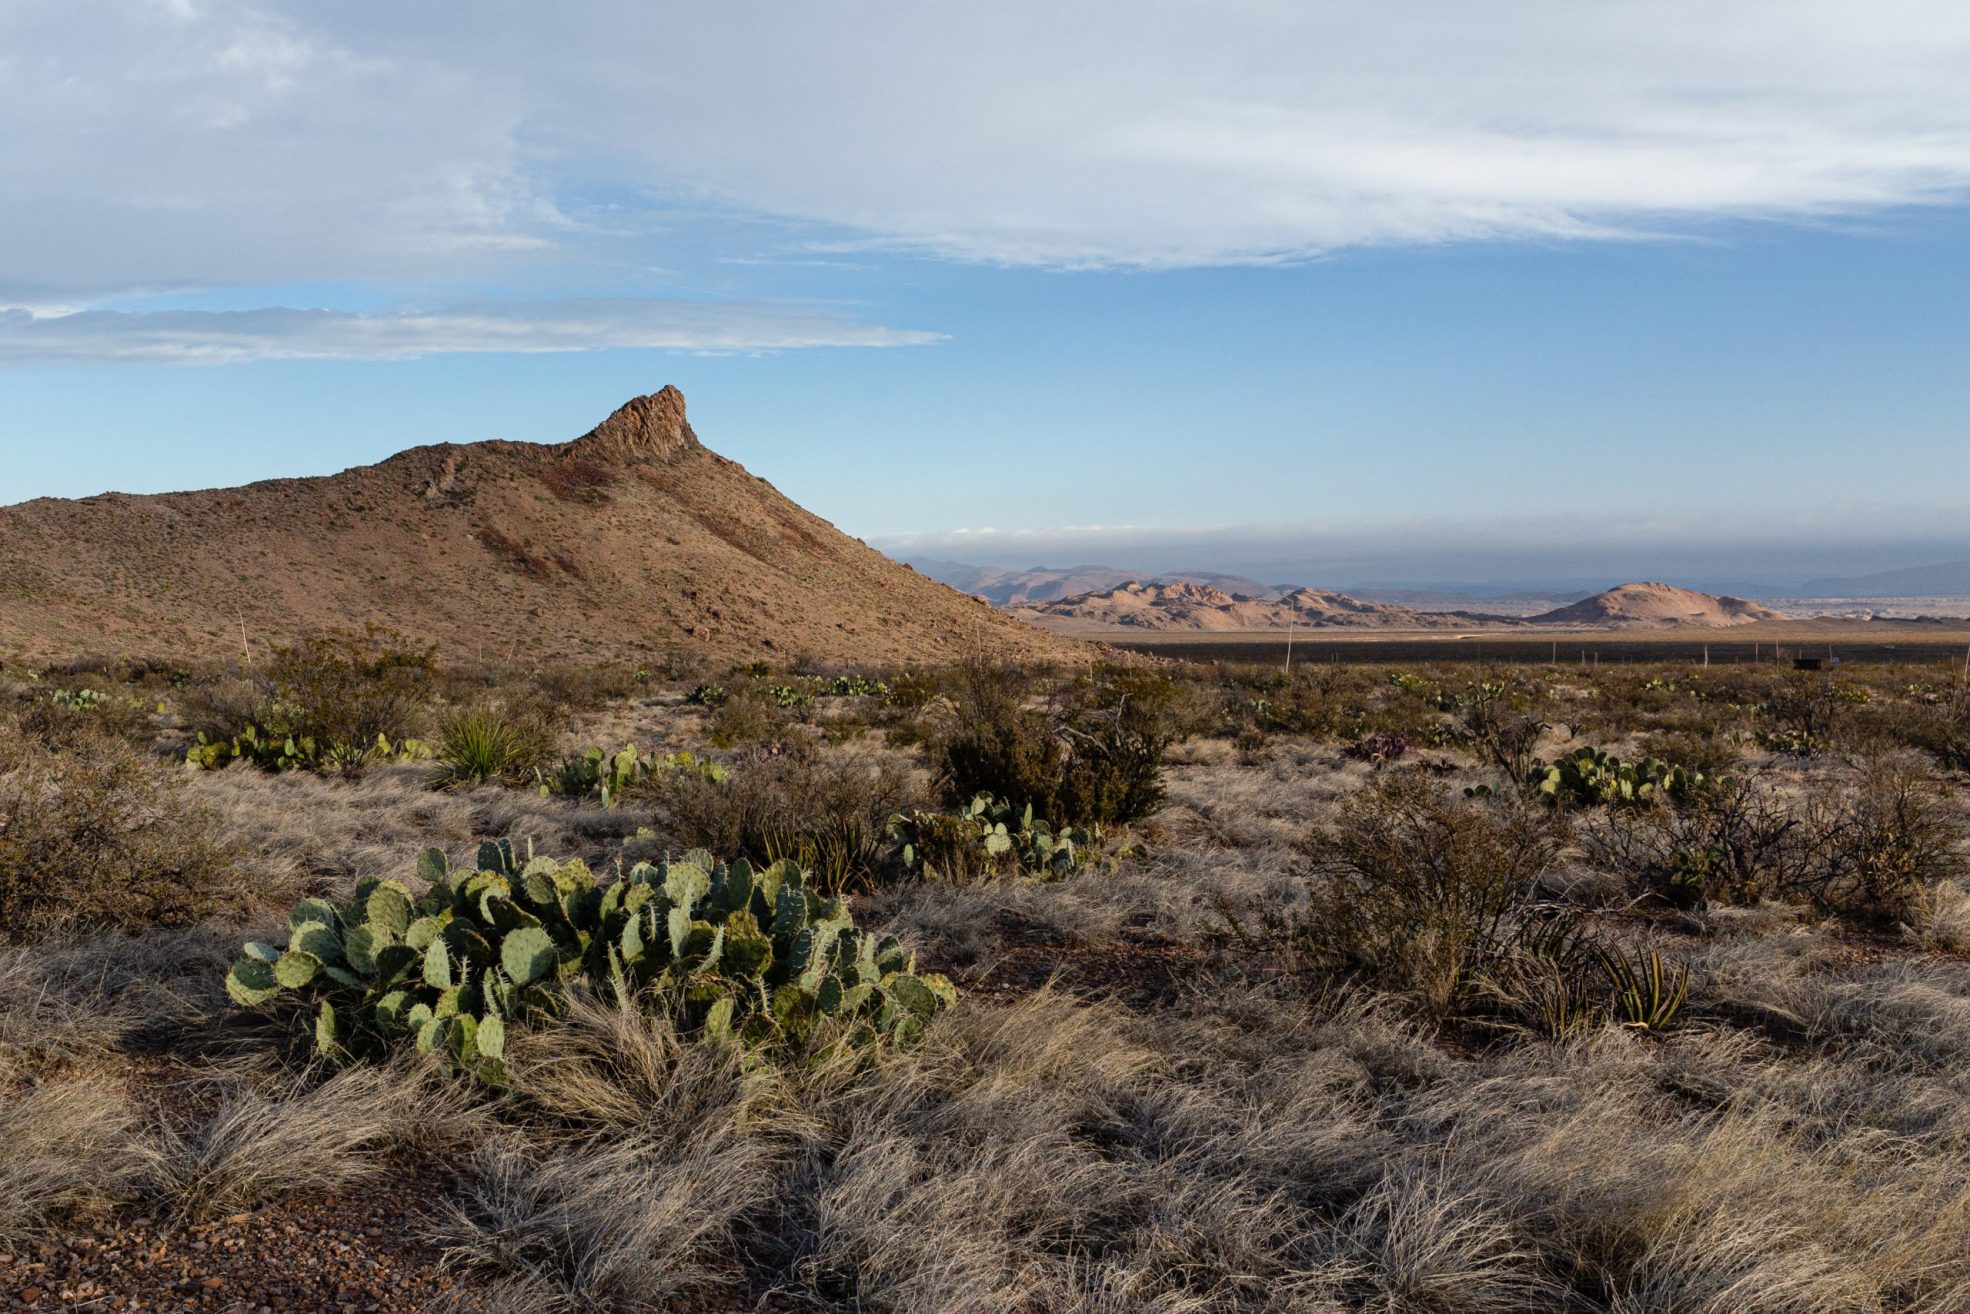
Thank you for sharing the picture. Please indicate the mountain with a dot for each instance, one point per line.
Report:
(1527, 602)
(1946, 581)
(1012, 588)
(1186, 606)
(1657, 606)
(632, 539)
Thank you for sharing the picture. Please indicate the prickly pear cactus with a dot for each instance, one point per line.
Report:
(742, 956)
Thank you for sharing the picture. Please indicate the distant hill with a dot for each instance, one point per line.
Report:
(1658, 606)
(633, 538)
(1182, 605)
(1525, 602)
(1198, 607)
(1012, 588)
(1951, 580)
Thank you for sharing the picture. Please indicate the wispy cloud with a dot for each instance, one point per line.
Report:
(209, 337)
(239, 142)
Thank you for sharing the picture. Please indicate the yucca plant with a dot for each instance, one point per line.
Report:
(1648, 990)
(479, 746)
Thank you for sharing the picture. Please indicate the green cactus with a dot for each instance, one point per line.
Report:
(1592, 777)
(745, 956)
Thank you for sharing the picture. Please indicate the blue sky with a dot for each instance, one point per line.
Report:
(1326, 292)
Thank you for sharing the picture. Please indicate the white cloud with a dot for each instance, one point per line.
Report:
(207, 337)
(242, 142)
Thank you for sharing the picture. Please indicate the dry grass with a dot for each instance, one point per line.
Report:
(1263, 1138)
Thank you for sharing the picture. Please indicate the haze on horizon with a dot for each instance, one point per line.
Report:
(1314, 292)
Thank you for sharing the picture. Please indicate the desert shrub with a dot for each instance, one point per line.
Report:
(97, 834)
(353, 688)
(1092, 757)
(1306, 702)
(1801, 714)
(477, 746)
(1870, 851)
(1423, 889)
(1499, 726)
(336, 702)
(1735, 844)
(729, 952)
(828, 812)
(1875, 851)
(747, 719)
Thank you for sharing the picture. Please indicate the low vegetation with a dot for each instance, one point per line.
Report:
(1142, 987)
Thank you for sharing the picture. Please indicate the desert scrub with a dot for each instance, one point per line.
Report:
(1876, 850)
(336, 702)
(479, 746)
(1092, 755)
(95, 834)
(730, 952)
(984, 839)
(827, 811)
(1423, 890)
(609, 778)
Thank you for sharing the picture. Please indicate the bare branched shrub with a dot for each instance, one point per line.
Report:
(829, 812)
(1422, 889)
(1090, 756)
(347, 689)
(1868, 851)
(98, 834)
(1875, 851)
(1736, 844)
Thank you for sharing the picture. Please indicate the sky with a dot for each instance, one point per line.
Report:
(1318, 292)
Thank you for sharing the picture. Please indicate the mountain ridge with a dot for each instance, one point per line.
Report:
(633, 538)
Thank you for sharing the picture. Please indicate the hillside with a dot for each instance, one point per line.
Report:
(633, 538)
(1014, 588)
(1658, 606)
(1186, 606)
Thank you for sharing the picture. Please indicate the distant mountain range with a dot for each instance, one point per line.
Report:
(1014, 588)
(1184, 606)
(1951, 580)
(1003, 587)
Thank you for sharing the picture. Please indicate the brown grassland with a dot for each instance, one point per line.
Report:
(1327, 1009)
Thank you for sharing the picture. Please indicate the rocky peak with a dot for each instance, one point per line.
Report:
(652, 426)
